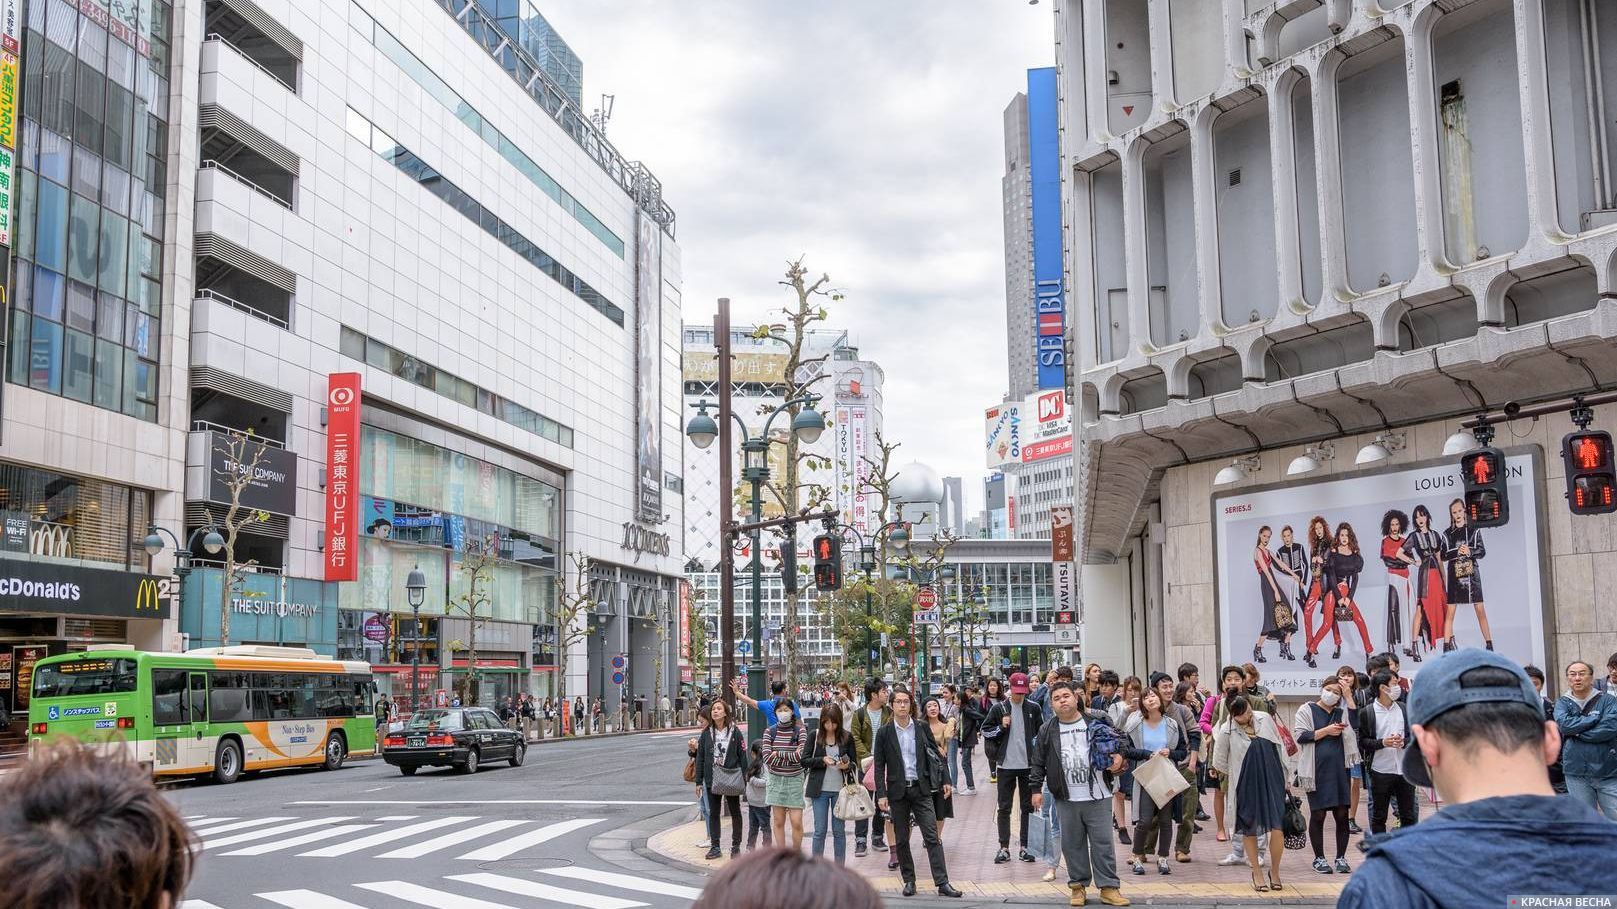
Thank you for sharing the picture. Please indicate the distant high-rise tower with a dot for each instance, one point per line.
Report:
(1016, 201)
(522, 21)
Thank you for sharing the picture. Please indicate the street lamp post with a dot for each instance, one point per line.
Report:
(703, 430)
(212, 542)
(415, 592)
(899, 536)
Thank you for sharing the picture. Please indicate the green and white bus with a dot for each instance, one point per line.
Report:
(215, 712)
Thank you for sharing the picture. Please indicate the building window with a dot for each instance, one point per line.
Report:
(53, 517)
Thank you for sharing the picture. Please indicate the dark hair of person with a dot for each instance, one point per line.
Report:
(1110, 677)
(994, 688)
(1534, 673)
(1064, 672)
(1380, 680)
(1506, 726)
(830, 713)
(873, 687)
(1066, 685)
(1186, 670)
(1389, 517)
(1250, 671)
(1224, 674)
(706, 713)
(1360, 679)
(729, 715)
(1133, 681)
(777, 688)
(88, 830)
(898, 690)
(1421, 511)
(1158, 678)
(1580, 663)
(1182, 691)
(1352, 538)
(952, 689)
(1261, 531)
(1239, 708)
(1378, 662)
(1611, 662)
(786, 879)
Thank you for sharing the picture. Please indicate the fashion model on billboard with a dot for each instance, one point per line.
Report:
(1423, 550)
(1343, 565)
(1393, 525)
(1462, 549)
(1319, 545)
(1278, 620)
(1292, 560)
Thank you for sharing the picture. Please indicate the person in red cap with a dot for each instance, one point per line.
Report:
(1008, 731)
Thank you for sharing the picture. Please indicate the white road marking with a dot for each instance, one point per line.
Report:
(623, 881)
(202, 821)
(242, 825)
(197, 904)
(677, 804)
(386, 836)
(265, 832)
(516, 844)
(416, 850)
(315, 837)
(399, 817)
(307, 899)
(522, 887)
(426, 896)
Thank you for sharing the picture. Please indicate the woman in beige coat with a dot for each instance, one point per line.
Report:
(1247, 749)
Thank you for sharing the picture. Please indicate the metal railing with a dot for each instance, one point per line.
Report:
(249, 569)
(215, 36)
(207, 293)
(634, 177)
(211, 164)
(209, 426)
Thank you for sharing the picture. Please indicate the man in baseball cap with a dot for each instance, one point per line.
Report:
(1481, 739)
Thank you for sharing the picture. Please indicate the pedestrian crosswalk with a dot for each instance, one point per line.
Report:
(583, 888)
(400, 836)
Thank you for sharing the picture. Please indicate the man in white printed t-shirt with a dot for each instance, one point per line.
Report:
(1083, 798)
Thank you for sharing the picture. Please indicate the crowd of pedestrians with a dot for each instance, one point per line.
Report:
(1080, 765)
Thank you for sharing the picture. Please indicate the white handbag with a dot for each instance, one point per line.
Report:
(1160, 779)
(853, 803)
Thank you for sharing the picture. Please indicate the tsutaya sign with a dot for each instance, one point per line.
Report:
(1062, 551)
(641, 540)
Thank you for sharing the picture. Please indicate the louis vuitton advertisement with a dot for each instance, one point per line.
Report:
(1314, 575)
(48, 587)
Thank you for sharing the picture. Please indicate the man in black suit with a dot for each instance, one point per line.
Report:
(907, 773)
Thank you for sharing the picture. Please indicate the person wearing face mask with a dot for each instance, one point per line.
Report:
(783, 756)
(1383, 732)
(1327, 748)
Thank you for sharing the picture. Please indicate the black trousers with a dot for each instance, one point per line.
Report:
(1009, 782)
(916, 803)
(1384, 787)
(965, 764)
(732, 803)
(1316, 830)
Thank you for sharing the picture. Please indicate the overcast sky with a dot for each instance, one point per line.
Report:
(862, 134)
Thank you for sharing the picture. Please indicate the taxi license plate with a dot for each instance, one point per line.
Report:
(416, 741)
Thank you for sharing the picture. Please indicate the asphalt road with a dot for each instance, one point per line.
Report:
(557, 831)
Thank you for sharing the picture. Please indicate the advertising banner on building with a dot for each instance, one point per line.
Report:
(845, 466)
(1046, 426)
(684, 623)
(863, 519)
(1061, 542)
(762, 368)
(271, 473)
(342, 476)
(1373, 562)
(33, 586)
(1004, 436)
(1044, 169)
(648, 369)
(264, 608)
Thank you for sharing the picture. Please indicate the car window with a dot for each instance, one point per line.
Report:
(436, 719)
(486, 720)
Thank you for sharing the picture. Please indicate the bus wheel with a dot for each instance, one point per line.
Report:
(227, 762)
(336, 752)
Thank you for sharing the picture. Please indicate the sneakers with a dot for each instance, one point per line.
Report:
(1182, 857)
(1234, 858)
(1027, 856)
(1162, 866)
(1342, 866)
(1002, 856)
(1080, 894)
(714, 852)
(1322, 866)
(1049, 876)
(1139, 867)
(878, 842)
(859, 848)
(993, 778)
(1112, 896)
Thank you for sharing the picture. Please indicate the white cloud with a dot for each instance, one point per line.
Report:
(863, 134)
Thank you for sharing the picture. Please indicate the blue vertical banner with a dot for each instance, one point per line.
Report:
(1044, 167)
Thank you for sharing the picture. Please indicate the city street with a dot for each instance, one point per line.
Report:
(557, 830)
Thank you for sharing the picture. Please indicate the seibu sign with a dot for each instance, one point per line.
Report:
(342, 477)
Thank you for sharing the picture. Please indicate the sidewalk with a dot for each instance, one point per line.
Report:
(970, 840)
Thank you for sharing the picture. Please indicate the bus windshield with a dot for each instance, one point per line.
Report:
(75, 677)
(435, 719)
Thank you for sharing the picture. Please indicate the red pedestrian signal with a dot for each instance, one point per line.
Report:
(1591, 472)
(1487, 502)
(827, 562)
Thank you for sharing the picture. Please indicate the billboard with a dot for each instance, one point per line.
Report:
(342, 477)
(648, 258)
(1047, 426)
(273, 485)
(1004, 436)
(1407, 575)
(846, 464)
(859, 432)
(762, 368)
(1044, 166)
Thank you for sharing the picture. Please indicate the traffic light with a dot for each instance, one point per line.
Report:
(827, 562)
(1591, 472)
(1487, 504)
(788, 567)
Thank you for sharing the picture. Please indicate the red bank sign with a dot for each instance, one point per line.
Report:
(342, 477)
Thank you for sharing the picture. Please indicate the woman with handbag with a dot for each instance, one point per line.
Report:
(721, 769)
(783, 756)
(1328, 747)
(943, 730)
(828, 758)
(1274, 607)
(1152, 732)
(1247, 752)
(1462, 547)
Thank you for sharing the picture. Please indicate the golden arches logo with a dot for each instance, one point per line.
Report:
(149, 595)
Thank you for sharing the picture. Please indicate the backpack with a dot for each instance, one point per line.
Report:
(1104, 742)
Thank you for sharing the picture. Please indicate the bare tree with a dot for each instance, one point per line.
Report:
(476, 604)
(572, 613)
(242, 455)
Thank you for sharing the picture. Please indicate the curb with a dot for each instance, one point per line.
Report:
(612, 735)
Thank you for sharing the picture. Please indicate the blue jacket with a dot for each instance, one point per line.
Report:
(1588, 736)
(1473, 854)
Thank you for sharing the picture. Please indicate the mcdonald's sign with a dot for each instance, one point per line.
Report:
(29, 586)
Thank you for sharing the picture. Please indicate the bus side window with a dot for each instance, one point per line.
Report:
(199, 697)
(364, 695)
(227, 698)
(170, 701)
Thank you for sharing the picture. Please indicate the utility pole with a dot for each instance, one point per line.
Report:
(727, 571)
